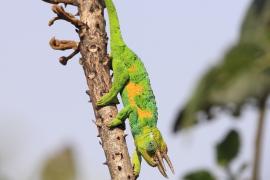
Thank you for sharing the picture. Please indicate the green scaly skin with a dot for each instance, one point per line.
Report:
(132, 82)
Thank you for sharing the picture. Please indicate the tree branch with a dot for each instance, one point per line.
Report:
(258, 140)
(94, 55)
(93, 48)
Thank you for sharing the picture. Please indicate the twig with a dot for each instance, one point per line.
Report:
(63, 44)
(259, 139)
(63, 15)
(70, 2)
(64, 59)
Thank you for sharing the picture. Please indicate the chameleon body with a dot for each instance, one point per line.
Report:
(132, 82)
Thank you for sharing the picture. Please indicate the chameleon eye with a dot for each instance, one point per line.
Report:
(151, 147)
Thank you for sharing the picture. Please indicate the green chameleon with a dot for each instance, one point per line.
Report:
(132, 82)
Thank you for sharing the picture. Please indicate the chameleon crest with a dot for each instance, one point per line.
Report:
(132, 82)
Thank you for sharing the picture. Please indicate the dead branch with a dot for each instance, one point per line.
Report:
(70, 2)
(64, 59)
(63, 44)
(63, 15)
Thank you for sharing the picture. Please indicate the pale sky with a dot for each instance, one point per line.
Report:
(44, 106)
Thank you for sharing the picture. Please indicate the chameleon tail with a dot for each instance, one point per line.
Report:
(115, 31)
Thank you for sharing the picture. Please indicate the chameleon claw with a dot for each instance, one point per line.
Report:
(106, 99)
(115, 101)
(100, 103)
(136, 174)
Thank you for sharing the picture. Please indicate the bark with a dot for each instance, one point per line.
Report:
(95, 63)
(259, 140)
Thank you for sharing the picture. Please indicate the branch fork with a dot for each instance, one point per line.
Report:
(65, 45)
(63, 15)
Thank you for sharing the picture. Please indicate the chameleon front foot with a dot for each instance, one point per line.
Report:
(136, 171)
(136, 163)
(107, 99)
(114, 123)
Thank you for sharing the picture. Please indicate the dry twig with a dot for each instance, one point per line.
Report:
(70, 2)
(63, 15)
(63, 44)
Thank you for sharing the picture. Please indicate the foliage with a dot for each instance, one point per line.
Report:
(199, 175)
(228, 148)
(226, 151)
(60, 166)
(242, 75)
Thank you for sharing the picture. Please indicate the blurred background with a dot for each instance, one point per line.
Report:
(207, 60)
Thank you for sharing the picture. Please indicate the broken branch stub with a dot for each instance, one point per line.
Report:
(70, 2)
(57, 44)
(64, 59)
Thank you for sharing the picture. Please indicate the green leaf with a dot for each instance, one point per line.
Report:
(228, 148)
(241, 75)
(199, 175)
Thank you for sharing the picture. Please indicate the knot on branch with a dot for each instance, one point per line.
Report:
(65, 45)
(63, 15)
(66, 2)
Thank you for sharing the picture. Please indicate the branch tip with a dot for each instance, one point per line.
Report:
(64, 59)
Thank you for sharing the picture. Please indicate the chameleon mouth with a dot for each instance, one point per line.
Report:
(160, 163)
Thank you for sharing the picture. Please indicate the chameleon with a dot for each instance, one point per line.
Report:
(131, 80)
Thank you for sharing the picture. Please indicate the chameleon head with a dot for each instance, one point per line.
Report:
(153, 149)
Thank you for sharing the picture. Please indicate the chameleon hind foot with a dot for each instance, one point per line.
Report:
(120, 117)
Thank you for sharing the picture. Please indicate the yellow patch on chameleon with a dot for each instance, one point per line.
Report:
(144, 114)
(133, 90)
